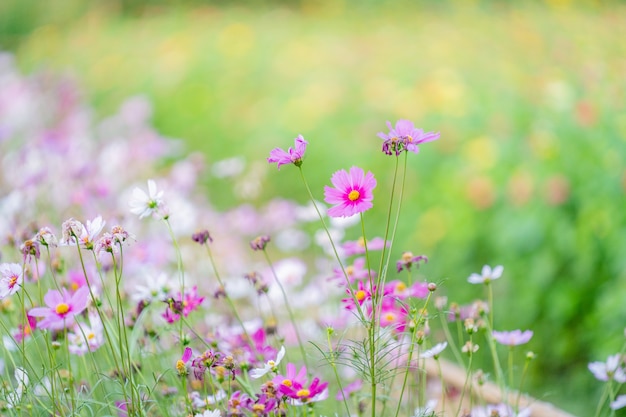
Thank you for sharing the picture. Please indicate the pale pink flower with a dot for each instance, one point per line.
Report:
(512, 338)
(11, 278)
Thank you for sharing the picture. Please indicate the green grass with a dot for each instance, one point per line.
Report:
(526, 98)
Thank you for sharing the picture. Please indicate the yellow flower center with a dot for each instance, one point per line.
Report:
(62, 308)
(91, 336)
(361, 242)
(354, 195)
(271, 363)
(12, 281)
(180, 366)
(74, 286)
(390, 316)
(409, 138)
(350, 270)
(360, 295)
(400, 287)
(287, 382)
(407, 256)
(258, 407)
(303, 393)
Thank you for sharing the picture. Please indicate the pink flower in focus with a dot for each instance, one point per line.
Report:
(512, 338)
(352, 193)
(61, 308)
(11, 277)
(361, 295)
(405, 136)
(292, 156)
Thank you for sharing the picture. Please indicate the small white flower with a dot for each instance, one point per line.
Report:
(269, 365)
(487, 275)
(14, 398)
(434, 351)
(620, 402)
(144, 205)
(427, 410)
(209, 413)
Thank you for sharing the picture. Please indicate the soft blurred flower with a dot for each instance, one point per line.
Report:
(352, 193)
(435, 351)
(487, 275)
(291, 156)
(512, 338)
(612, 369)
(620, 402)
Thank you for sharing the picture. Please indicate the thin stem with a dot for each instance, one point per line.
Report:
(288, 306)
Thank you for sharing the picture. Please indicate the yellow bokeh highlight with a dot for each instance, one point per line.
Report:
(235, 40)
(481, 153)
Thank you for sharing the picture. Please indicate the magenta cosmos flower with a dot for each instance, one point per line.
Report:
(513, 338)
(352, 193)
(61, 308)
(291, 156)
(405, 136)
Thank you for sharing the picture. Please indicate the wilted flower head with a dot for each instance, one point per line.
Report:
(352, 193)
(150, 204)
(408, 260)
(259, 242)
(405, 136)
(487, 275)
(291, 156)
(45, 237)
(202, 237)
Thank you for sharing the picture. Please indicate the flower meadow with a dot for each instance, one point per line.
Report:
(125, 292)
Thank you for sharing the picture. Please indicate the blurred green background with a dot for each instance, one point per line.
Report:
(529, 97)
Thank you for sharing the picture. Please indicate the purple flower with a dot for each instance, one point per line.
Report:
(292, 156)
(61, 308)
(405, 136)
(352, 193)
(513, 338)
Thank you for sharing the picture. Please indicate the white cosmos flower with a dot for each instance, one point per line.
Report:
(269, 365)
(144, 205)
(487, 275)
(434, 351)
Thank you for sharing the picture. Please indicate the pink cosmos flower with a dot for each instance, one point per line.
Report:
(11, 277)
(61, 308)
(512, 338)
(405, 136)
(291, 156)
(357, 247)
(352, 193)
(184, 305)
(357, 271)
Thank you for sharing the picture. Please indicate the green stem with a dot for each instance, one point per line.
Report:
(288, 307)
